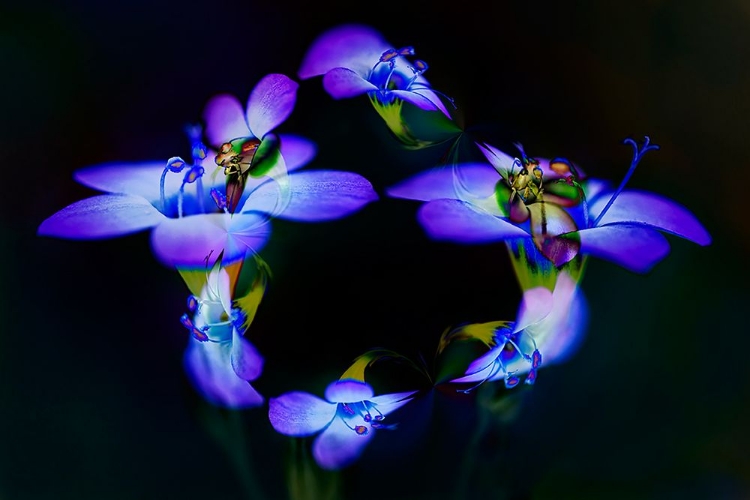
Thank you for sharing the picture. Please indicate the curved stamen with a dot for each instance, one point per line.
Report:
(176, 165)
(194, 174)
(637, 155)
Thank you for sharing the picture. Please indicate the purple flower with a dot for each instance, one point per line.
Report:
(346, 420)
(198, 210)
(356, 60)
(219, 361)
(549, 324)
(542, 201)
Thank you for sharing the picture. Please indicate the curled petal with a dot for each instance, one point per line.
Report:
(209, 369)
(341, 83)
(190, 241)
(462, 222)
(351, 46)
(224, 120)
(270, 103)
(315, 195)
(636, 248)
(246, 360)
(639, 207)
(339, 446)
(348, 391)
(299, 413)
(103, 216)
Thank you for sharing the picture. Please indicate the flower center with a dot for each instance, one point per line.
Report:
(210, 322)
(193, 175)
(361, 416)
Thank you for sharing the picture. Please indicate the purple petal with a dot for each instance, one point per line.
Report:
(640, 207)
(224, 119)
(561, 332)
(421, 101)
(342, 83)
(636, 248)
(188, 241)
(469, 179)
(484, 364)
(462, 222)
(387, 403)
(271, 102)
(348, 391)
(477, 376)
(140, 179)
(339, 446)
(297, 151)
(535, 306)
(246, 360)
(500, 161)
(299, 413)
(210, 371)
(350, 46)
(432, 97)
(103, 216)
(316, 195)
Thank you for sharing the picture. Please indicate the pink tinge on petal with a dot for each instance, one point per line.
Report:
(352, 46)
(270, 103)
(225, 120)
(103, 216)
(342, 83)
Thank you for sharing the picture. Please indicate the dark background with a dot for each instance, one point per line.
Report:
(93, 401)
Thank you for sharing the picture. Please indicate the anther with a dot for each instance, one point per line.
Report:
(192, 303)
(511, 380)
(219, 199)
(360, 429)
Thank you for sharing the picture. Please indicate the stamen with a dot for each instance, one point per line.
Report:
(199, 334)
(347, 408)
(563, 167)
(195, 173)
(511, 380)
(530, 378)
(176, 165)
(360, 429)
(637, 155)
(192, 303)
(219, 199)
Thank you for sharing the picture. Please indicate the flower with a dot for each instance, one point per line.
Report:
(355, 60)
(191, 225)
(548, 323)
(348, 419)
(544, 202)
(219, 361)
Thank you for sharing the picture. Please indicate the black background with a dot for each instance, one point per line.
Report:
(93, 401)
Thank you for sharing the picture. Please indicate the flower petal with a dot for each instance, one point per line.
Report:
(536, 304)
(189, 241)
(348, 391)
(640, 207)
(468, 179)
(315, 195)
(481, 375)
(352, 46)
(636, 248)
(140, 179)
(270, 103)
(341, 83)
(463, 222)
(387, 403)
(421, 101)
(297, 151)
(210, 371)
(103, 216)
(485, 363)
(299, 413)
(224, 119)
(246, 360)
(339, 446)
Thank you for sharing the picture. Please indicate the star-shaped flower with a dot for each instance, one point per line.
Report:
(346, 419)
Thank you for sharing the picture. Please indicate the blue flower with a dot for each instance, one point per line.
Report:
(547, 203)
(200, 210)
(356, 60)
(220, 362)
(346, 420)
(549, 326)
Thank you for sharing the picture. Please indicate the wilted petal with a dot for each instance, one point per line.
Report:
(640, 207)
(210, 371)
(297, 151)
(348, 391)
(339, 446)
(246, 360)
(103, 216)
(342, 83)
(535, 306)
(348, 46)
(224, 119)
(270, 103)
(636, 248)
(189, 241)
(315, 195)
(299, 413)
(463, 222)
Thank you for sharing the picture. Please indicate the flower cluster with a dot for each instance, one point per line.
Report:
(210, 218)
